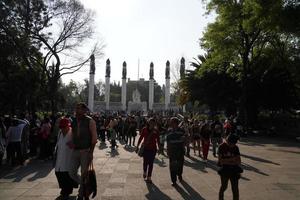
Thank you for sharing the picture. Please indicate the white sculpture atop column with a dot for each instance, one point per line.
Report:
(151, 87)
(167, 88)
(124, 74)
(107, 84)
(91, 83)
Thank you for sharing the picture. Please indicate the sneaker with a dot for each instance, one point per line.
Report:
(144, 175)
(174, 184)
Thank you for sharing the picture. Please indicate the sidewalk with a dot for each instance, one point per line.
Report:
(271, 171)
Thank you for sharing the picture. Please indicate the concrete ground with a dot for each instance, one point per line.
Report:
(271, 171)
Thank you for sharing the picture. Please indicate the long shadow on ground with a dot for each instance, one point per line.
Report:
(259, 159)
(156, 193)
(189, 193)
(33, 170)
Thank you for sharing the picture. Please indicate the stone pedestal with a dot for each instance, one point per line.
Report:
(123, 100)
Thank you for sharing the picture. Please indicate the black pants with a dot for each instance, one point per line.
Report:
(45, 149)
(176, 166)
(129, 138)
(113, 143)
(33, 144)
(234, 180)
(14, 148)
(66, 183)
(102, 135)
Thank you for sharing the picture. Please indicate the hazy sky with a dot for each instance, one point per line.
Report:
(148, 30)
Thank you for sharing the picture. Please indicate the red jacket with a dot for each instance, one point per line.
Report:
(152, 142)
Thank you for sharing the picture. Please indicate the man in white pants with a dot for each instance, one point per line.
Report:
(84, 139)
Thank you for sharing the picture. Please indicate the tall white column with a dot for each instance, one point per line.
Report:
(151, 94)
(182, 75)
(123, 99)
(91, 84)
(124, 94)
(107, 92)
(167, 86)
(107, 84)
(151, 87)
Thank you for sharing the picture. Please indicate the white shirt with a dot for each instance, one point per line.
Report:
(14, 133)
(64, 152)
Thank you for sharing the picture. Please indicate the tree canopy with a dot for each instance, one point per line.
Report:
(252, 59)
(36, 35)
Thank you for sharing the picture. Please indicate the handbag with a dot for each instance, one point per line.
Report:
(141, 150)
(90, 182)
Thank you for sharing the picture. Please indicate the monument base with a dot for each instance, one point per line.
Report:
(137, 106)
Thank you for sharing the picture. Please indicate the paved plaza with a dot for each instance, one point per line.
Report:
(271, 171)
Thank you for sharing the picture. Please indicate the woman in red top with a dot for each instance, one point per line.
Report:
(150, 137)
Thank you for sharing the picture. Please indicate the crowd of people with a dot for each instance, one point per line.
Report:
(73, 139)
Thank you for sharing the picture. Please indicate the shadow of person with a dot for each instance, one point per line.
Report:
(245, 178)
(122, 142)
(113, 153)
(195, 165)
(102, 145)
(259, 159)
(248, 167)
(155, 193)
(129, 148)
(32, 171)
(161, 162)
(213, 165)
(189, 193)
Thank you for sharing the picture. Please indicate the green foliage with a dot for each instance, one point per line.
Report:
(253, 61)
(33, 53)
(214, 88)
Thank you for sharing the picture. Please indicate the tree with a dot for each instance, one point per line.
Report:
(57, 27)
(214, 88)
(238, 39)
(21, 78)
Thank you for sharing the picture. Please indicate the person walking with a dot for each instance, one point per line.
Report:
(185, 125)
(150, 137)
(229, 159)
(132, 131)
(176, 140)
(14, 137)
(205, 139)
(44, 136)
(195, 130)
(84, 139)
(113, 133)
(64, 152)
(216, 139)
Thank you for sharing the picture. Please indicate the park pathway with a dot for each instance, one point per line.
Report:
(271, 171)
